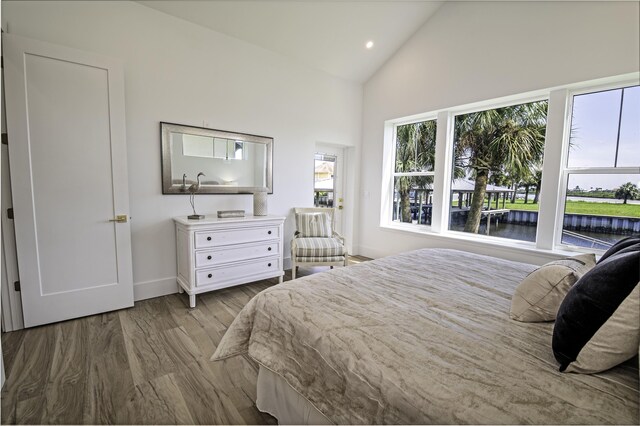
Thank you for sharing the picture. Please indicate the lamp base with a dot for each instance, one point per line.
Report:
(195, 216)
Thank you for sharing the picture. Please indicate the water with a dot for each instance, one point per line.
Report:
(511, 231)
(602, 200)
(518, 232)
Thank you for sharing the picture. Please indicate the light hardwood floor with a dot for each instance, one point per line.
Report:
(145, 365)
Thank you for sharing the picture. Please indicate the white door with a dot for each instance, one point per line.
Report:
(329, 172)
(67, 153)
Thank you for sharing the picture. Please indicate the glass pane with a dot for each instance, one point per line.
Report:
(600, 209)
(411, 195)
(323, 186)
(416, 147)
(629, 147)
(594, 129)
(498, 171)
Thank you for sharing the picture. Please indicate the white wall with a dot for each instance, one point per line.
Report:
(182, 73)
(474, 51)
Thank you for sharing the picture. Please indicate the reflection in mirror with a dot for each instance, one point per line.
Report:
(231, 162)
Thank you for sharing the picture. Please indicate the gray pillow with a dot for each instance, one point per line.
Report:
(538, 297)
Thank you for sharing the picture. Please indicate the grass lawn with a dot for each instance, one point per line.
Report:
(585, 207)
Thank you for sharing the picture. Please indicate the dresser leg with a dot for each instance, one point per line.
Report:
(192, 300)
(180, 289)
(281, 279)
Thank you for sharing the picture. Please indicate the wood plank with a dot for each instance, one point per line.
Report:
(110, 386)
(11, 344)
(29, 411)
(209, 402)
(145, 348)
(179, 346)
(30, 372)
(160, 401)
(66, 388)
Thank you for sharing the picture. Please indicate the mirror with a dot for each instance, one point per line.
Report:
(232, 163)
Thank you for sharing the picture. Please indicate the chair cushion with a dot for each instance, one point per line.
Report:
(320, 259)
(319, 247)
(313, 224)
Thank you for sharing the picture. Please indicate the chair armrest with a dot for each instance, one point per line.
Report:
(340, 237)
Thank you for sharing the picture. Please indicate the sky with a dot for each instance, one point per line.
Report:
(595, 133)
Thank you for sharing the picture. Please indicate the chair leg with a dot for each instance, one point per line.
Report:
(293, 271)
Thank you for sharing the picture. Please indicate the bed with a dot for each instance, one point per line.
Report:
(420, 337)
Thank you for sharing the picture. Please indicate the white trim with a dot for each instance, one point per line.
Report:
(483, 242)
(442, 178)
(554, 156)
(554, 176)
(388, 160)
(565, 170)
(154, 288)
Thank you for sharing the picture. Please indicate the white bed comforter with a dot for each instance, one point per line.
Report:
(422, 337)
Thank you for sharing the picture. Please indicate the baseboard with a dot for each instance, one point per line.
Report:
(154, 288)
(162, 287)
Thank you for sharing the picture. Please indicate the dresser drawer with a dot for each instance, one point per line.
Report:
(241, 252)
(236, 236)
(205, 277)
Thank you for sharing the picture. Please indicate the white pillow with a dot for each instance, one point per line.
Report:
(316, 224)
(539, 295)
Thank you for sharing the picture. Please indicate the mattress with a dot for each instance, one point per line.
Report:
(422, 337)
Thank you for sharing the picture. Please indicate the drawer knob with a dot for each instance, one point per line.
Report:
(210, 275)
(269, 232)
(269, 249)
(269, 265)
(208, 238)
(209, 257)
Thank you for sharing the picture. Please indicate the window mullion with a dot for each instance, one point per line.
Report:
(551, 189)
(442, 169)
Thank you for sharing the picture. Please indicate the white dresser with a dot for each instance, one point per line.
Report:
(217, 253)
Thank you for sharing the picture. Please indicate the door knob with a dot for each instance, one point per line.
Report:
(121, 218)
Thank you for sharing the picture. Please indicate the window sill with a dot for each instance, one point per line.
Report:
(485, 242)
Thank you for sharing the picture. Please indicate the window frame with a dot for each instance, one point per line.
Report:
(554, 173)
(395, 174)
(565, 170)
(453, 113)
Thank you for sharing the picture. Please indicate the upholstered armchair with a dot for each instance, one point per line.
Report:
(315, 243)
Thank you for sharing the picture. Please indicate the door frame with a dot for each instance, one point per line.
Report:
(347, 164)
(10, 299)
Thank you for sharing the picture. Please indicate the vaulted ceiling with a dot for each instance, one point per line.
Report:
(327, 35)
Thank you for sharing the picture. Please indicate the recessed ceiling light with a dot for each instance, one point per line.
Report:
(369, 44)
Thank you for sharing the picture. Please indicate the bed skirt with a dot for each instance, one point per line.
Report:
(276, 397)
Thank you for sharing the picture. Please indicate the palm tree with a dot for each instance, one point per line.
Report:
(415, 152)
(509, 138)
(628, 191)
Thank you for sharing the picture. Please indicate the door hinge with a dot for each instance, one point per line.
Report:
(5, 139)
(10, 213)
(16, 285)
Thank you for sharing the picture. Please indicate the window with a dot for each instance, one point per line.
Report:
(324, 180)
(602, 202)
(415, 147)
(555, 169)
(497, 171)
